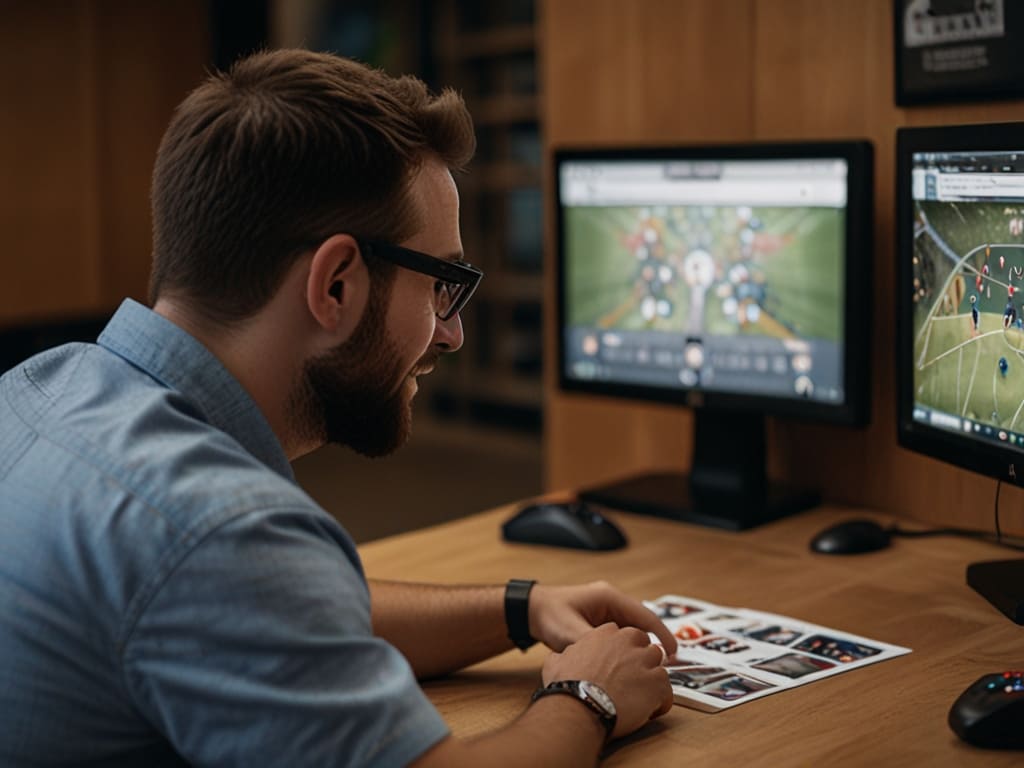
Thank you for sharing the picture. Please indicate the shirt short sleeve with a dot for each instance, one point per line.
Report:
(255, 648)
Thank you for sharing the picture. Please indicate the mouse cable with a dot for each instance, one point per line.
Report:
(998, 539)
(963, 532)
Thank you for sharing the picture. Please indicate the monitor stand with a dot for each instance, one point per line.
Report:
(1001, 582)
(726, 488)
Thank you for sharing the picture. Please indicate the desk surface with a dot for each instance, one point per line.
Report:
(891, 713)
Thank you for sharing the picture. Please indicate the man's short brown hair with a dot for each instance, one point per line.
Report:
(286, 149)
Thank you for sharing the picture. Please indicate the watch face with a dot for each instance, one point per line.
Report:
(596, 694)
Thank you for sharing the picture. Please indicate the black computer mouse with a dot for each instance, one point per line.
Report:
(570, 524)
(990, 713)
(851, 538)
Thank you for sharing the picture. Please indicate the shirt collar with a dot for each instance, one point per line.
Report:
(179, 361)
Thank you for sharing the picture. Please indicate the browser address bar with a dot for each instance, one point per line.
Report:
(980, 185)
(689, 192)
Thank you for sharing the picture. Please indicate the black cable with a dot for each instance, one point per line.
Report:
(980, 536)
(999, 534)
(1013, 542)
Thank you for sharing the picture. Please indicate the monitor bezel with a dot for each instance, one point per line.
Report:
(859, 241)
(991, 460)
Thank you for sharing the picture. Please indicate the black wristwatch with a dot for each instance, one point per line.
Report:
(591, 694)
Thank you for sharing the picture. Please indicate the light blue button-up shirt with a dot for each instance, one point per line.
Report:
(168, 594)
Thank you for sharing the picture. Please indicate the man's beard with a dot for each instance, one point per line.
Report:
(356, 393)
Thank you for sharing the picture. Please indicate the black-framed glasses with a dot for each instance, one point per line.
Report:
(456, 280)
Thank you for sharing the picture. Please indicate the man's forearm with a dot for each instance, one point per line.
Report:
(557, 732)
(440, 628)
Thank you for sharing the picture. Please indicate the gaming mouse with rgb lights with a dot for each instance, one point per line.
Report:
(990, 713)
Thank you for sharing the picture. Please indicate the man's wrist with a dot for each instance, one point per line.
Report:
(517, 612)
(589, 695)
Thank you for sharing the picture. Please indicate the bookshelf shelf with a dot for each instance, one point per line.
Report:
(487, 51)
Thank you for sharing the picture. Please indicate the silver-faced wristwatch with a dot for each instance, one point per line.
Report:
(591, 694)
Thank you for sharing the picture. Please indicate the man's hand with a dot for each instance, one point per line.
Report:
(596, 632)
(443, 628)
(625, 664)
(558, 731)
(560, 616)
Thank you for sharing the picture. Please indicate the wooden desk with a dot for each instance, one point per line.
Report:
(888, 714)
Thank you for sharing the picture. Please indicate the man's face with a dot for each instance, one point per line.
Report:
(360, 392)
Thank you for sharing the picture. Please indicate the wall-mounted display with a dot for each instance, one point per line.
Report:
(958, 50)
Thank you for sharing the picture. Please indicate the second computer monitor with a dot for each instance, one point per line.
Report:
(960, 341)
(733, 279)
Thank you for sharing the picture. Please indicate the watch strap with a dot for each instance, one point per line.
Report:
(517, 612)
(578, 689)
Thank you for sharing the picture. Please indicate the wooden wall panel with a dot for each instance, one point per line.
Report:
(47, 159)
(151, 55)
(87, 87)
(830, 74)
(769, 69)
(650, 71)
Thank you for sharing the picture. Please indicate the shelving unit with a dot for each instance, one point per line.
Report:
(488, 52)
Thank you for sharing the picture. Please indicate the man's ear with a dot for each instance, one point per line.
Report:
(338, 285)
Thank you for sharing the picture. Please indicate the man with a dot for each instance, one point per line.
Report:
(168, 595)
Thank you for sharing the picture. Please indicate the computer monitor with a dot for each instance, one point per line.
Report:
(960, 318)
(731, 279)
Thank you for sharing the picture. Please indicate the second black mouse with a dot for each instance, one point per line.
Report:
(852, 537)
(990, 713)
(571, 524)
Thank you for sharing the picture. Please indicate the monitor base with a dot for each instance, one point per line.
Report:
(670, 495)
(1001, 582)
